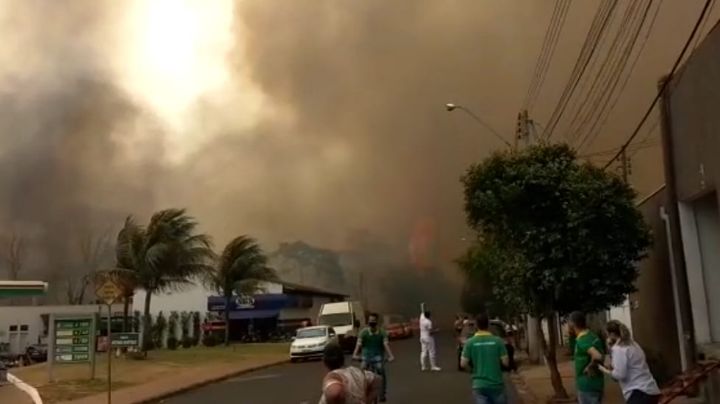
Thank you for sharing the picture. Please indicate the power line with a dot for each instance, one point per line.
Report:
(664, 84)
(623, 86)
(608, 69)
(597, 29)
(552, 34)
(607, 103)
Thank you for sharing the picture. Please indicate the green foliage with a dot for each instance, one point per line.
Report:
(196, 327)
(188, 342)
(158, 331)
(210, 339)
(184, 325)
(172, 343)
(164, 255)
(570, 231)
(173, 322)
(492, 278)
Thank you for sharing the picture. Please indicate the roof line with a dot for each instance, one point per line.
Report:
(648, 197)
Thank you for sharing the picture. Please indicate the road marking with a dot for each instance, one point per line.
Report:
(252, 378)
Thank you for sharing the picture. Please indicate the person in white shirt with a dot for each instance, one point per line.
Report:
(347, 385)
(629, 366)
(427, 341)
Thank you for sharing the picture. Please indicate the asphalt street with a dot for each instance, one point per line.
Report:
(299, 383)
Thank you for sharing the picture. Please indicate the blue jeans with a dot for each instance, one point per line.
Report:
(376, 364)
(589, 397)
(487, 396)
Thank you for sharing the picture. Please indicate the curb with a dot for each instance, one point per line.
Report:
(167, 394)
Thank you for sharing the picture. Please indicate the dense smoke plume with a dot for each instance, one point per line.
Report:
(349, 147)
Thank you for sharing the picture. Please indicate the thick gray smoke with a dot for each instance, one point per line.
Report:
(355, 138)
(68, 173)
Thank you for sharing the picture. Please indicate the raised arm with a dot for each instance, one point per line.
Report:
(422, 310)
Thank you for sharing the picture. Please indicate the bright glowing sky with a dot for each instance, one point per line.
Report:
(176, 52)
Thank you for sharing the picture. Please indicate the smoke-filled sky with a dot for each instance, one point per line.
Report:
(281, 119)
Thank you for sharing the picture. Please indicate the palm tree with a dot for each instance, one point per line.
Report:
(165, 255)
(239, 269)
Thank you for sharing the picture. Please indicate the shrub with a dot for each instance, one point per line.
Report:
(172, 343)
(210, 340)
(187, 342)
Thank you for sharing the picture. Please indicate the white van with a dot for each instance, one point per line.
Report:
(346, 318)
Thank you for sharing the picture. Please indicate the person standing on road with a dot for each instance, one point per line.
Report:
(375, 349)
(485, 356)
(427, 340)
(629, 366)
(346, 385)
(589, 353)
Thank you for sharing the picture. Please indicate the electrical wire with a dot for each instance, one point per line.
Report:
(598, 90)
(552, 34)
(610, 97)
(661, 91)
(597, 29)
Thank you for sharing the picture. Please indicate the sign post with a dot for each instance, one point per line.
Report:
(109, 292)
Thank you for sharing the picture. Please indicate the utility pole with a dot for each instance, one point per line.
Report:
(625, 166)
(522, 131)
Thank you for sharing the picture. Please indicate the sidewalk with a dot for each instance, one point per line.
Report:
(10, 394)
(180, 382)
(535, 379)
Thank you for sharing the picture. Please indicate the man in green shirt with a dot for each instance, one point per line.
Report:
(589, 352)
(375, 349)
(484, 355)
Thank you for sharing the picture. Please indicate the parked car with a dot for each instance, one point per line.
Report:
(310, 342)
(396, 326)
(37, 353)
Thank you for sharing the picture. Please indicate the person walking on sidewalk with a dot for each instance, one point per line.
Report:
(589, 353)
(485, 355)
(427, 340)
(629, 366)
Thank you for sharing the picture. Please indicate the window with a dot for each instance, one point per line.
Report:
(24, 327)
(13, 328)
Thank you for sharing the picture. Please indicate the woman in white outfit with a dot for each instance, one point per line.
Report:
(629, 366)
(427, 341)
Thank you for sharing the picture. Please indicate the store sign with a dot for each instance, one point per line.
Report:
(125, 339)
(244, 302)
(267, 301)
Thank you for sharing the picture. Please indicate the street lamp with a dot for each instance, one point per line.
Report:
(452, 107)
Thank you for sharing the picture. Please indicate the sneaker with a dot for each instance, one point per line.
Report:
(435, 369)
(424, 369)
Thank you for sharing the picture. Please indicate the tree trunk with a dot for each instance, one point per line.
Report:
(126, 313)
(227, 319)
(147, 334)
(550, 353)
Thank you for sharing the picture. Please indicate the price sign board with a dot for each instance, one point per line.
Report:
(72, 340)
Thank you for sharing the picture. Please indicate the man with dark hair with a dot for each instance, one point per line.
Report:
(375, 346)
(485, 355)
(346, 385)
(589, 353)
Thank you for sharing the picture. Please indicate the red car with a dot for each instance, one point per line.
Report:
(396, 326)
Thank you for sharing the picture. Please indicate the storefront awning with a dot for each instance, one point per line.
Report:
(253, 314)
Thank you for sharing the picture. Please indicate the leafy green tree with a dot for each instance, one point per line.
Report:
(166, 254)
(571, 231)
(239, 269)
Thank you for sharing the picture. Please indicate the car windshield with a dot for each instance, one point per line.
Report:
(311, 333)
(335, 319)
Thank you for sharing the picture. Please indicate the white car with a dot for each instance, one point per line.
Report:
(310, 342)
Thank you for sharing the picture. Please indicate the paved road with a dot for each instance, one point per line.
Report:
(300, 383)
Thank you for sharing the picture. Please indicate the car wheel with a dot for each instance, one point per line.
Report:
(293, 360)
